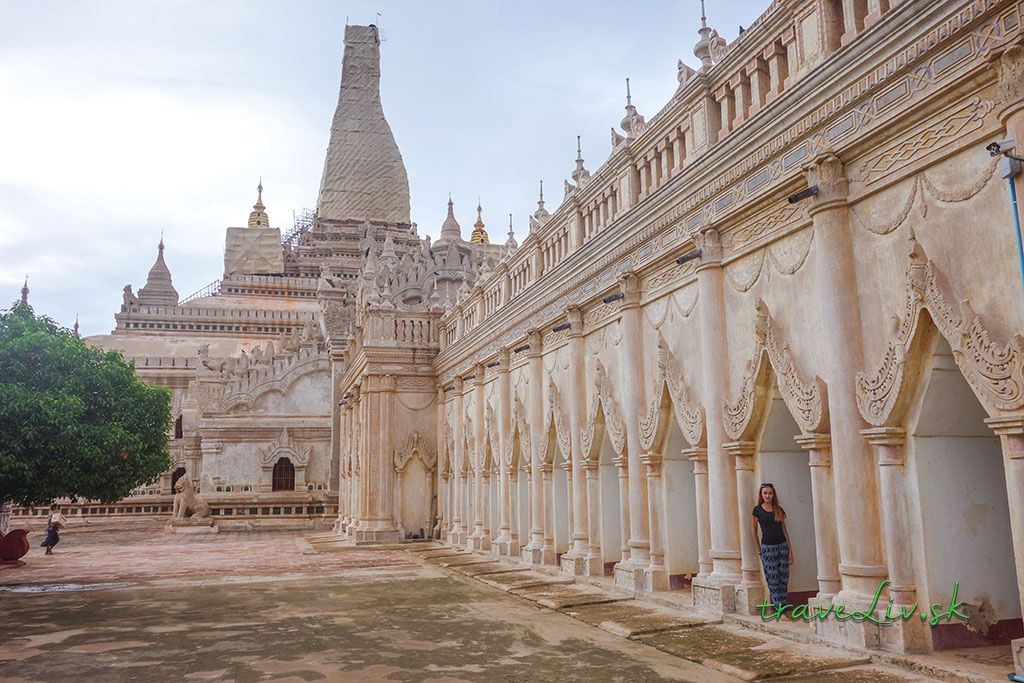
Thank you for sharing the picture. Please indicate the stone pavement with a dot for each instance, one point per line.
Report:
(133, 603)
(129, 601)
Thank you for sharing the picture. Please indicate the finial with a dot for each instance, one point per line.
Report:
(74, 329)
(579, 149)
(259, 189)
(629, 98)
(703, 17)
(478, 209)
(542, 191)
(160, 246)
(510, 224)
(24, 291)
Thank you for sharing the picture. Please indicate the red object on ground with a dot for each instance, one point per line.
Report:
(14, 545)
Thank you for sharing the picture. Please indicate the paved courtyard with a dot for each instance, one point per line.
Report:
(131, 602)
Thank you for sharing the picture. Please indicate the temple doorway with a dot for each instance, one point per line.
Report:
(680, 496)
(609, 506)
(958, 470)
(781, 462)
(178, 474)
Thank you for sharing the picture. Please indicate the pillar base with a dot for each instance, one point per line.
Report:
(912, 635)
(505, 547)
(549, 556)
(456, 538)
(860, 633)
(1018, 655)
(748, 598)
(375, 535)
(532, 555)
(582, 564)
(656, 578)
(479, 543)
(629, 574)
(714, 594)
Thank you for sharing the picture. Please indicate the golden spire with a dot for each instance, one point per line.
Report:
(479, 235)
(258, 218)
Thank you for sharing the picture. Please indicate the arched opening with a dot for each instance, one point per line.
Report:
(559, 498)
(782, 463)
(518, 493)
(609, 504)
(178, 474)
(680, 518)
(179, 431)
(964, 513)
(416, 494)
(283, 478)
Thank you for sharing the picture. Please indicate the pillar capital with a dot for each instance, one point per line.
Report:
(535, 338)
(710, 244)
(622, 462)
(828, 173)
(1009, 62)
(743, 452)
(504, 360)
(630, 283)
(479, 372)
(1007, 425)
(814, 442)
(458, 384)
(885, 436)
(574, 316)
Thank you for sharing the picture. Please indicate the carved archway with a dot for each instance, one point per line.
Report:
(284, 447)
(603, 417)
(994, 371)
(807, 401)
(673, 400)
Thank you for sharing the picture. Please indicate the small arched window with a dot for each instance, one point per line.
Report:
(179, 431)
(284, 476)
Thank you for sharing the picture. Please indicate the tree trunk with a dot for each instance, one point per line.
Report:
(5, 516)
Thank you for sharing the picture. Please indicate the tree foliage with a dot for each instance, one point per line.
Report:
(75, 421)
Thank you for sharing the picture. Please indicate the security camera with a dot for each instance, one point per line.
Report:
(999, 147)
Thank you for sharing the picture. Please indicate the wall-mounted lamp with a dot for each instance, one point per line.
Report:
(686, 258)
(564, 326)
(811, 191)
(520, 349)
(613, 297)
(494, 364)
(447, 389)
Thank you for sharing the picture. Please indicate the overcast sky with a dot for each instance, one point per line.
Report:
(122, 119)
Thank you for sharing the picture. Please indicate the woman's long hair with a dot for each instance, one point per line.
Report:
(780, 513)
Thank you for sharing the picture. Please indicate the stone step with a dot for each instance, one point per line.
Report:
(481, 568)
(558, 595)
(508, 580)
(629, 619)
(747, 654)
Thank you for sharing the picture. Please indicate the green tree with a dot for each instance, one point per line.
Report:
(75, 421)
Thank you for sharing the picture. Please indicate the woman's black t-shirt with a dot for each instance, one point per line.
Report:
(771, 531)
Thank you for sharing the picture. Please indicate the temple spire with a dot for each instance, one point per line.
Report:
(24, 292)
(479, 235)
(74, 330)
(159, 290)
(364, 176)
(581, 174)
(259, 218)
(632, 122)
(451, 231)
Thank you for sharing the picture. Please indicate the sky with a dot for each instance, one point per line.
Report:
(122, 120)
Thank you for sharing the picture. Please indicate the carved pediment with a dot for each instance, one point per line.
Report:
(414, 446)
(604, 416)
(994, 370)
(284, 447)
(672, 398)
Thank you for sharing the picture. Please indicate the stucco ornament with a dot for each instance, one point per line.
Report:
(415, 445)
(806, 401)
(556, 417)
(285, 447)
(994, 370)
(603, 405)
(674, 398)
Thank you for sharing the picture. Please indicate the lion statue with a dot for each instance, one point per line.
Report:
(186, 503)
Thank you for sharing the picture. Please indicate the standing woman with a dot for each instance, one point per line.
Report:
(776, 551)
(54, 523)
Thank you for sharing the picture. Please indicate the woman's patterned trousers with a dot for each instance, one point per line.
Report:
(775, 560)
